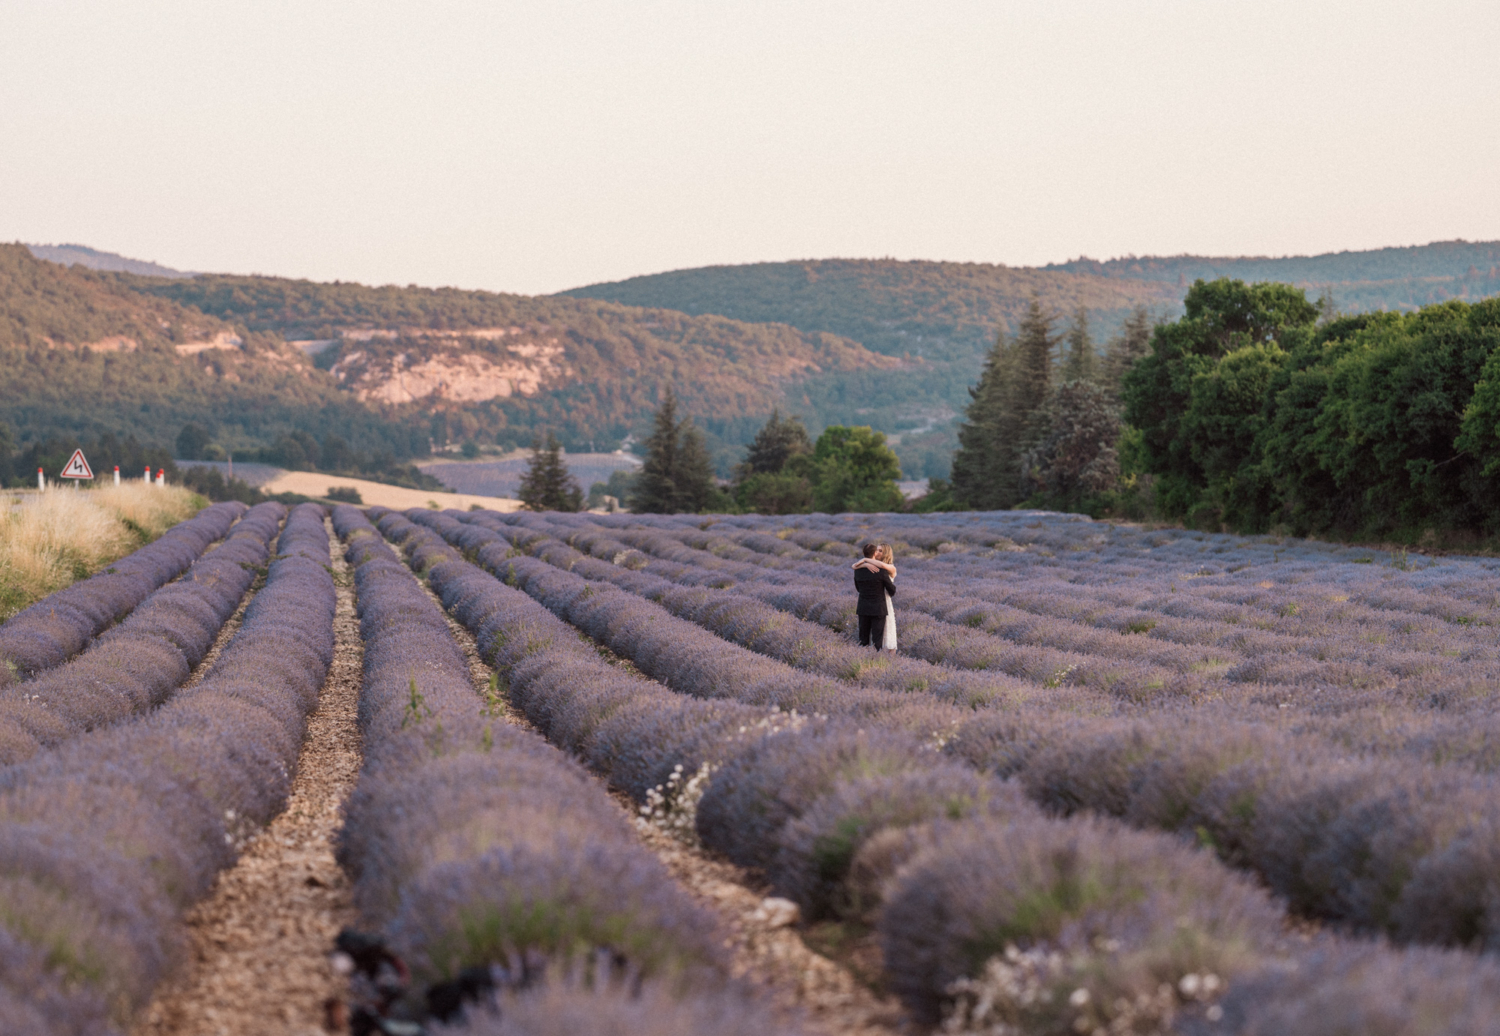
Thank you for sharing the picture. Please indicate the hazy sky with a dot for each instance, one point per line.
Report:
(542, 145)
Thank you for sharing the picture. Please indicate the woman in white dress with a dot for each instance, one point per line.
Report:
(884, 561)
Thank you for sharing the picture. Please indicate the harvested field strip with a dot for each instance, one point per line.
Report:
(259, 945)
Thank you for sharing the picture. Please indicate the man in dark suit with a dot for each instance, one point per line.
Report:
(872, 588)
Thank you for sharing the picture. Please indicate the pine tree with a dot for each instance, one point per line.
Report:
(1002, 420)
(1121, 352)
(1035, 343)
(979, 459)
(547, 484)
(1080, 364)
(678, 473)
(779, 440)
(695, 469)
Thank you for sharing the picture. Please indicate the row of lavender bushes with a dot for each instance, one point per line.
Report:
(493, 867)
(758, 626)
(1434, 718)
(828, 836)
(59, 626)
(818, 801)
(1062, 620)
(107, 840)
(1382, 845)
(135, 665)
(1242, 627)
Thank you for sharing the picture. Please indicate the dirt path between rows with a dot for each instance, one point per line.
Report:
(796, 978)
(258, 962)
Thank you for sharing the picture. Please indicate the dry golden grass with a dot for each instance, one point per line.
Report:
(48, 540)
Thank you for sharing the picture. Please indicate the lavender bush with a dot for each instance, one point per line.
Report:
(472, 843)
(138, 663)
(570, 1006)
(59, 626)
(106, 840)
(1355, 779)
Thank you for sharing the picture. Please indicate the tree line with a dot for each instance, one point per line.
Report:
(1256, 411)
(784, 471)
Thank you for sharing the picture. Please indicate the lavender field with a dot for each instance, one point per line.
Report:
(1115, 780)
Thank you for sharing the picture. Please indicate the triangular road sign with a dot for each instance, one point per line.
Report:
(77, 467)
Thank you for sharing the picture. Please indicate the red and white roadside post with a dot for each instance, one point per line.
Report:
(161, 476)
(148, 474)
(41, 480)
(117, 474)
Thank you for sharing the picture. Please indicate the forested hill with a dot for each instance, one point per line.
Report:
(87, 353)
(94, 259)
(1383, 278)
(497, 367)
(951, 310)
(943, 311)
(83, 355)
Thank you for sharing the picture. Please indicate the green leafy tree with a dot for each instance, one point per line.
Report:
(939, 497)
(1398, 442)
(852, 469)
(1226, 419)
(678, 474)
(776, 492)
(1222, 316)
(547, 485)
(1080, 362)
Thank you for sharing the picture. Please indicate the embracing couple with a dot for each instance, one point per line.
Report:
(875, 581)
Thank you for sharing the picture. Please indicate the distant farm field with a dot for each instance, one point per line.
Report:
(516, 772)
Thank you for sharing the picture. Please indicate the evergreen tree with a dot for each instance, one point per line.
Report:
(778, 441)
(1080, 364)
(547, 484)
(1001, 422)
(1035, 343)
(981, 454)
(1121, 352)
(1077, 457)
(764, 483)
(695, 469)
(678, 473)
(191, 442)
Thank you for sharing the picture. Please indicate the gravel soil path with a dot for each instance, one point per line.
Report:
(258, 962)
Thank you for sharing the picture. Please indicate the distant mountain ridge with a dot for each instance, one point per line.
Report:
(948, 313)
(94, 259)
(1441, 259)
(892, 344)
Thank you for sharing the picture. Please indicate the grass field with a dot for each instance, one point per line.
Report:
(50, 539)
